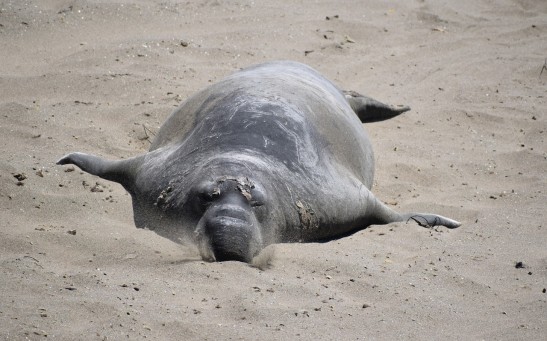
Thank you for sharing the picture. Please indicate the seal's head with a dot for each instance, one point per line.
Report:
(231, 217)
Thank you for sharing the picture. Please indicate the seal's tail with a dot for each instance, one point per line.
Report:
(370, 110)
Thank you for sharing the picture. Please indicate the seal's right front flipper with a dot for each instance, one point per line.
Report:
(370, 110)
(380, 214)
(120, 171)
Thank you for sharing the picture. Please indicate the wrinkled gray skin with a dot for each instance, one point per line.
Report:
(274, 153)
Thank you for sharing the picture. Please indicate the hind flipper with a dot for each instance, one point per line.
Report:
(370, 110)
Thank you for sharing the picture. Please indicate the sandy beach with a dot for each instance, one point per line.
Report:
(101, 77)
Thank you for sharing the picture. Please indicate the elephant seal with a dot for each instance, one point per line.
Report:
(274, 153)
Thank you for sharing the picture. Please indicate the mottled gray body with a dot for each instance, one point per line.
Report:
(273, 153)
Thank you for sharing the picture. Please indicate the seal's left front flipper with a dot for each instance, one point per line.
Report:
(370, 110)
(120, 171)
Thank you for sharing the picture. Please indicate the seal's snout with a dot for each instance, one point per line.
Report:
(230, 239)
(233, 233)
(229, 228)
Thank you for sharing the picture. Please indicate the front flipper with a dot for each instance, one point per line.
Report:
(381, 214)
(370, 110)
(431, 220)
(120, 171)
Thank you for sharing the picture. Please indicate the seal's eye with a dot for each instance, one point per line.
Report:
(259, 202)
(207, 192)
(257, 196)
(214, 193)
